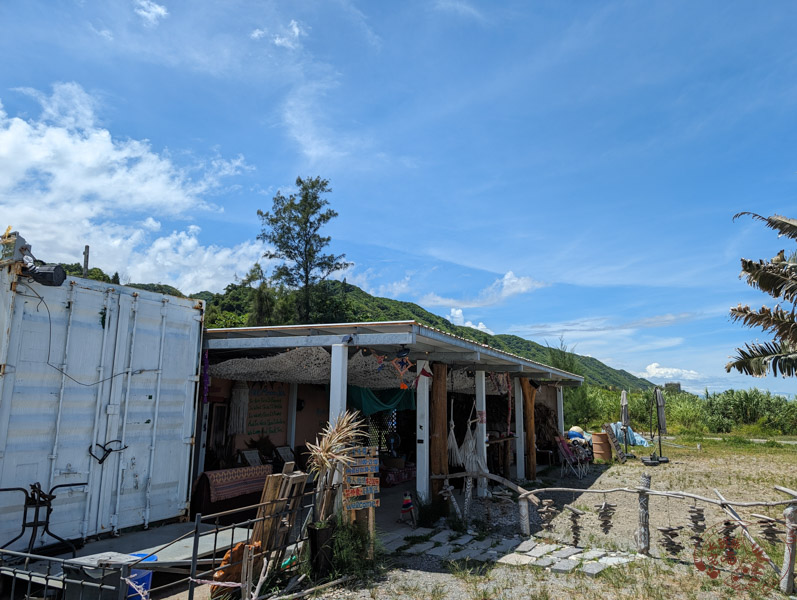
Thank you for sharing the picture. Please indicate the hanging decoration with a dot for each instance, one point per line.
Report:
(668, 540)
(205, 376)
(367, 370)
(239, 408)
(605, 513)
(454, 454)
(697, 523)
(547, 512)
(769, 530)
(575, 524)
(508, 404)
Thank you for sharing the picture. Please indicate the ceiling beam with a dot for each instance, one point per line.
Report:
(304, 341)
(447, 357)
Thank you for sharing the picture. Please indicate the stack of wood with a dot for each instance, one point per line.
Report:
(605, 513)
(276, 517)
(545, 426)
(668, 540)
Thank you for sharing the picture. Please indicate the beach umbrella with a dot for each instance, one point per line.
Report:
(624, 420)
(660, 412)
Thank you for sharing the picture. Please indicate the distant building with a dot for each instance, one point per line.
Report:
(673, 386)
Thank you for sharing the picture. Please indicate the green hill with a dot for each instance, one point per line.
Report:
(364, 307)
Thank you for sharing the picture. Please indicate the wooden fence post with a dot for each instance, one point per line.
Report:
(787, 570)
(643, 533)
(247, 571)
(523, 515)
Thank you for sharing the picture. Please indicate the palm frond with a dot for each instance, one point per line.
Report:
(778, 280)
(759, 359)
(781, 224)
(774, 320)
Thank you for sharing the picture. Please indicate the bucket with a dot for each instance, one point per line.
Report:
(601, 447)
(141, 577)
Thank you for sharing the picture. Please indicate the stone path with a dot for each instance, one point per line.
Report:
(509, 551)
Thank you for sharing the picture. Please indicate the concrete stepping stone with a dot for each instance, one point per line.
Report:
(615, 561)
(462, 540)
(483, 544)
(441, 537)
(526, 546)
(515, 559)
(564, 566)
(420, 531)
(460, 554)
(566, 552)
(591, 569)
(542, 549)
(543, 562)
(421, 548)
(441, 551)
(507, 545)
(394, 545)
(593, 554)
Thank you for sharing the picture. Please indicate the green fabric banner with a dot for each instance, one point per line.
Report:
(369, 401)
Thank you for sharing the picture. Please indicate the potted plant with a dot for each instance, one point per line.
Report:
(328, 459)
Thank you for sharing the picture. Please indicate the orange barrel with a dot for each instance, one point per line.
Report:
(601, 447)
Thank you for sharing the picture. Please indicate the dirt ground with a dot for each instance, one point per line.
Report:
(740, 471)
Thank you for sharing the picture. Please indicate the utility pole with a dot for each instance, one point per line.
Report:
(86, 262)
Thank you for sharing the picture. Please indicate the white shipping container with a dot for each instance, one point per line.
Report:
(97, 384)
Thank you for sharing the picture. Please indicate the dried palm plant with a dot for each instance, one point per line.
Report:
(330, 455)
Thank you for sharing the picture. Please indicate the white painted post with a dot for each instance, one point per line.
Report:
(481, 429)
(560, 409)
(520, 434)
(292, 396)
(422, 434)
(337, 381)
(787, 571)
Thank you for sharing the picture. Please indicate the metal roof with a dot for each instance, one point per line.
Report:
(424, 343)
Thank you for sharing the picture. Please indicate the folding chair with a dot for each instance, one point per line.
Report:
(568, 459)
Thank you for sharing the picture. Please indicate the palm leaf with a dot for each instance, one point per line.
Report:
(758, 359)
(778, 280)
(774, 320)
(783, 225)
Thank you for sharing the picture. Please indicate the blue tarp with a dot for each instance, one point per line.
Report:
(634, 439)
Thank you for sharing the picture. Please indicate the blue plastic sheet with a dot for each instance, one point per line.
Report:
(634, 439)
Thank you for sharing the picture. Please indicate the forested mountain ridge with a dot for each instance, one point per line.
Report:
(243, 303)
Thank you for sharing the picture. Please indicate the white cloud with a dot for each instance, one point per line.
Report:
(656, 371)
(507, 286)
(65, 182)
(106, 34)
(394, 289)
(257, 34)
(457, 317)
(150, 12)
(289, 37)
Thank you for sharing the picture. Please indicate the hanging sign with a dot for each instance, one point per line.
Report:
(354, 480)
(361, 470)
(366, 462)
(364, 451)
(360, 504)
(360, 491)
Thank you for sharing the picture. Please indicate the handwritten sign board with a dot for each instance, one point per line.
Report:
(355, 480)
(361, 470)
(364, 451)
(360, 491)
(360, 504)
(267, 413)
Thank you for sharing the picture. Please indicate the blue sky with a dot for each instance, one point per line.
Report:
(537, 168)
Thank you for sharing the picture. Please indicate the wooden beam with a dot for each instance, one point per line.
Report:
(529, 398)
(438, 427)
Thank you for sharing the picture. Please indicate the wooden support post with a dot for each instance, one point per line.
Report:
(422, 434)
(642, 536)
(481, 428)
(520, 437)
(787, 570)
(529, 399)
(438, 428)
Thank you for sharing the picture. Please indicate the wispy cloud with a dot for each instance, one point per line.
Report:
(61, 168)
(507, 286)
(289, 36)
(460, 8)
(457, 317)
(104, 33)
(394, 289)
(150, 12)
